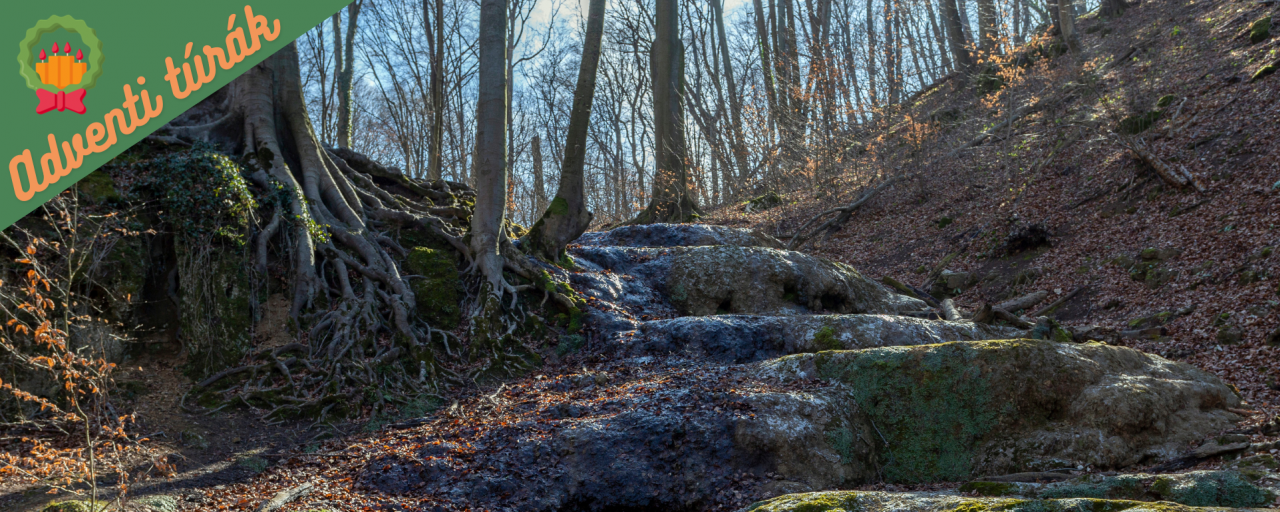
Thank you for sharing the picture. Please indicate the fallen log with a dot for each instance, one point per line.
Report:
(985, 315)
(1057, 303)
(949, 312)
(1024, 301)
(283, 498)
(910, 291)
(1011, 319)
(1179, 177)
(1031, 477)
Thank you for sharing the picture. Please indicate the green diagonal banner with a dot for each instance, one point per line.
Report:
(90, 78)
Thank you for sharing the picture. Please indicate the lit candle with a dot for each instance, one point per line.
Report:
(43, 56)
(79, 55)
(55, 48)
(66, 48)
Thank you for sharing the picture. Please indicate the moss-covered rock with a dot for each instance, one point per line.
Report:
(438, 290)
(954, 410)
(764, 202)
(1264, 72)
(1211, 489)
(1260, 30)
(1138, 123)
(76, 506)
(1195, 488)
(98, 188)
(991, 488)
(216, 313)
(876, 501)
(1149, 268)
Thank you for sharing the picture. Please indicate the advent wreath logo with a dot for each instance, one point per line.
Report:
(60, 79)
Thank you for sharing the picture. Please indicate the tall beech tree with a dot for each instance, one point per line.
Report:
(346, 74)
(491, 146)
(955, 35)
(567, 216)
(672, 201)
(435, 164)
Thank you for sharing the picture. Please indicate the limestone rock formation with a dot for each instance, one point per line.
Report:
(958, 410)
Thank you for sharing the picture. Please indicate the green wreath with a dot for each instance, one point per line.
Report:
(87, 36)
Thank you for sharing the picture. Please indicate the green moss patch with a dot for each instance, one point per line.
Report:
(937, 403)
(1260, 30)
(438, 289)
(98, 188)
(826, 339)
(1138, 123)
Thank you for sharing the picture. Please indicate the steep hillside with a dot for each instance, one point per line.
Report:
(1187, 79)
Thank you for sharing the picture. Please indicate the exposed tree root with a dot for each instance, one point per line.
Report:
(361, 343)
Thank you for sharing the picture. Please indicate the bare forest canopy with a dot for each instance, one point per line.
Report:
(775, 90)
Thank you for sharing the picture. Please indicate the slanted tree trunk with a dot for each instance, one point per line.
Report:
(940, 36)
(955, 35)
(491, 147)
(346, 76)
(672, 200)
(567, 217)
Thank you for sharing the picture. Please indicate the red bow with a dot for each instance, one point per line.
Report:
(73, 101)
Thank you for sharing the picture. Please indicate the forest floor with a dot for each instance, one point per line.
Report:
(1058, 167)
(1101, 205)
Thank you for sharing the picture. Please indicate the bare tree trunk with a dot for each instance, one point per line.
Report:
(539, 181)
(435, 168)
(940, 36)
(766, 62)
(1067, 26)
(1017, 22)
(567, 217)
(1113, 8)
(872, 48)
(735, 102)
(671, 200)
(987, 33)
(345, 78)
(491, 146)
(326, 113)
(955, 34)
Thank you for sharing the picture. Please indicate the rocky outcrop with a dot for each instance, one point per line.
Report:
(758, 281)
(677, 235)
(698, 405)
(748, 338)
(679, 434)
(957, 410)
(873, 501)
